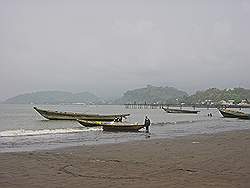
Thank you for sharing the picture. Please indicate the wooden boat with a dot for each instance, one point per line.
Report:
(55, 115)
(113, 126)
(246, 116)
(172, 110)
(87, 123)
(231, 113)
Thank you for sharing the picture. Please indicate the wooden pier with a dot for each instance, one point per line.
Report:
(159, 106)
(144, 106)
(152, 106)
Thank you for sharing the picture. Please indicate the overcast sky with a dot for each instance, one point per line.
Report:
(107, 47)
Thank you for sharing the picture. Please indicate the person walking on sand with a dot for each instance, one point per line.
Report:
(147, 124)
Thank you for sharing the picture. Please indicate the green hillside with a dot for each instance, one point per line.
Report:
(149, 94)
(152, 94)
(54, 97)
(216, 95)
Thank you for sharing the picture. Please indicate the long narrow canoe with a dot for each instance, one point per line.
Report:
(172, 110)
(231, 113)
(55, 115)
(113, 126)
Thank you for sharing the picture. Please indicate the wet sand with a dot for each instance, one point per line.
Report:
(220, 160)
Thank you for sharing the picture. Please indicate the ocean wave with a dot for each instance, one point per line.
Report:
(24, 132)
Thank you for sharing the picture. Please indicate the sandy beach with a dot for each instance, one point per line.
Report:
(219, 160)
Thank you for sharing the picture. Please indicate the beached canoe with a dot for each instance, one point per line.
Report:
(172, 110)
(231, 113)
(245, 116)
(113, 126)
(55, 115)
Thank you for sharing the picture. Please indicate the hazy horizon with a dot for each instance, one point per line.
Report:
(107, 48)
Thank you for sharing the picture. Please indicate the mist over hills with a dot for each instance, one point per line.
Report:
(152, 94)
(149, 94)
(217, 95)
(54, 97)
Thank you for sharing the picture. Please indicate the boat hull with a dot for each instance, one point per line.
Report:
(86, 123)
(247, 116)
(55, 115)
(170, 110)
(112, 126)
(231, 113)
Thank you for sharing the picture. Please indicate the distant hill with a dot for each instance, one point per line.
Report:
(152, 94)
(216, 95)
(149, 94)
(54, 97)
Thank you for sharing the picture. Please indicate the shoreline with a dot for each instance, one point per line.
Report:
(207, 160)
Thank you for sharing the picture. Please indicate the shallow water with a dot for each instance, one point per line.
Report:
(23, 129)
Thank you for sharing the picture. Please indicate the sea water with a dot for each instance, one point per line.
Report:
(23, 129)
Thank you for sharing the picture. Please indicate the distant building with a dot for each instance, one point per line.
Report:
(231, 102)
(223, 102)
(226, 103)
(244, 102)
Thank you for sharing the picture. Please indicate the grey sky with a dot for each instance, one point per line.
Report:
(107, 47)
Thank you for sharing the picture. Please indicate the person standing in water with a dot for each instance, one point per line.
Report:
(147, 124)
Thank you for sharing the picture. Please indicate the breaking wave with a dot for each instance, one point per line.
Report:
(23, 132)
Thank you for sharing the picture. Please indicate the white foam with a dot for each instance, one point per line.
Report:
(23, 132)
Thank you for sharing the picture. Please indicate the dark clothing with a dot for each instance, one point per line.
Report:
(147, 124)
(118, 119)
